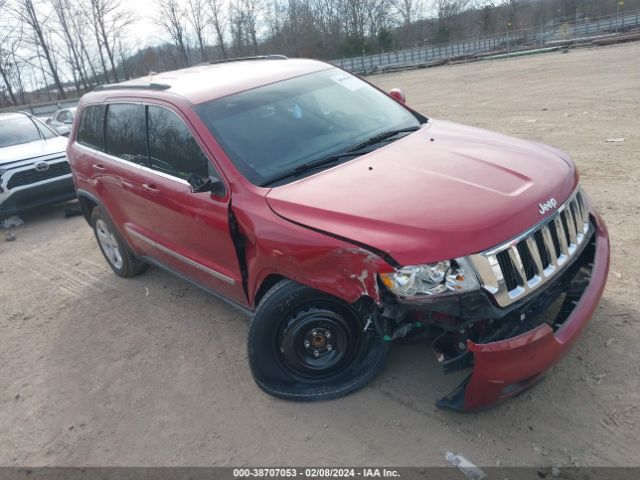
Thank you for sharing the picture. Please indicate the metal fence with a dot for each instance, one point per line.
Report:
(509, 41)
(44, 109)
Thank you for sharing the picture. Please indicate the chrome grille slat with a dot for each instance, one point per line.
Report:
(527, 261)
(535, 255)
(551, 248)
(562, 239)
(521, 265)
(508, 275)
(583, 212)
(578, 218)
(543, 249)
(571, 226)
(516, 261)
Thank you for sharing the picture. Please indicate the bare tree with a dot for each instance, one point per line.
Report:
(448, 11)
(408, 10)
(244, 24)
(6, 39)
(17, 71)
(80, 29)
(513, 12)
(217, 19)
(64, 10)
(91, 13)
(124, 53)
(354, 14)
(4, 73)
(25, 11)
(172, 19)
(109, 18)
(282, 20)
(363, 19)
(378, 15)
(197, 16)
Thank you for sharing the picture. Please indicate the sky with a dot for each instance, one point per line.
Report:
(144, 32)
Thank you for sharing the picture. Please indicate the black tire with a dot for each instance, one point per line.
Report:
(124, 264)
(306, 345)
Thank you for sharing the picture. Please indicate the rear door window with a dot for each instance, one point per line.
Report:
(91, 128)
(125, 132)
(172, 148)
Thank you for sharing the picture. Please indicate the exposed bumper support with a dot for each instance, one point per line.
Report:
(505, 368)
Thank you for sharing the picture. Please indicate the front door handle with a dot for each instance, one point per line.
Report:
(151, 188)
(98, 166)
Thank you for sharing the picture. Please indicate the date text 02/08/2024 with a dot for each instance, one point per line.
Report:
(315, 472)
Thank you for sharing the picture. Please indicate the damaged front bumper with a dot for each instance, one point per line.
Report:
(505, 364)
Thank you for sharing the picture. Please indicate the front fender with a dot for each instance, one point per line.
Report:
(346, 272)
(275, 246)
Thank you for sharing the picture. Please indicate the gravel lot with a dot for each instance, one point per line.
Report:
(97, 370)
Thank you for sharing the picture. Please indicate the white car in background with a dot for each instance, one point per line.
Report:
(34, 170)
(62, 120)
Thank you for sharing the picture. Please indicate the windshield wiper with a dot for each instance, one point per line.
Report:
(382, 136)
(306, 167)
(356, 150)
(313, 165)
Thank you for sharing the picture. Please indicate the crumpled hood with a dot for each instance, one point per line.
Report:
(445, 191)
(29, 150)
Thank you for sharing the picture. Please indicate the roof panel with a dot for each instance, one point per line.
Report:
(207, 82)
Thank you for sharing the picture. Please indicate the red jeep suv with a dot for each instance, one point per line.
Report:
(340, 219)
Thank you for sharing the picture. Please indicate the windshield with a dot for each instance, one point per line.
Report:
(21, 129)
(273, 129)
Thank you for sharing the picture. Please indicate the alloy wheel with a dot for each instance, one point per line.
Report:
(109, 244)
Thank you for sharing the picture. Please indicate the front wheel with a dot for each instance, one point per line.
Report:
(307, 345)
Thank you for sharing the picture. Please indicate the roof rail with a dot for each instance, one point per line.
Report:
(256, 57)
(132, 86)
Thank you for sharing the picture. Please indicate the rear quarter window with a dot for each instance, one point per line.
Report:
(91, 128)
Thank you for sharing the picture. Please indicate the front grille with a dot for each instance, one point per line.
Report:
(527, 261)
(508, 271)
(27, 177)
(542, 249)
(519, 266)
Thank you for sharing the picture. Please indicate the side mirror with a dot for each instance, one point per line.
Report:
(63, 130)
(207, 184)
(398, 95)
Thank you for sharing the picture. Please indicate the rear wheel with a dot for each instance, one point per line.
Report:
(118, 256)
(307, 345)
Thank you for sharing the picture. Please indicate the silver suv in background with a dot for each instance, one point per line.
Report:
(34, 170)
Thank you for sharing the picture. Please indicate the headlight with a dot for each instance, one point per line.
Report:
(447, 276)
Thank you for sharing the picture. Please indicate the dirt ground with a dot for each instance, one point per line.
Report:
(97, 370)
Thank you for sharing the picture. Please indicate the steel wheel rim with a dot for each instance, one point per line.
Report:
(109, 244)
(317, 343)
